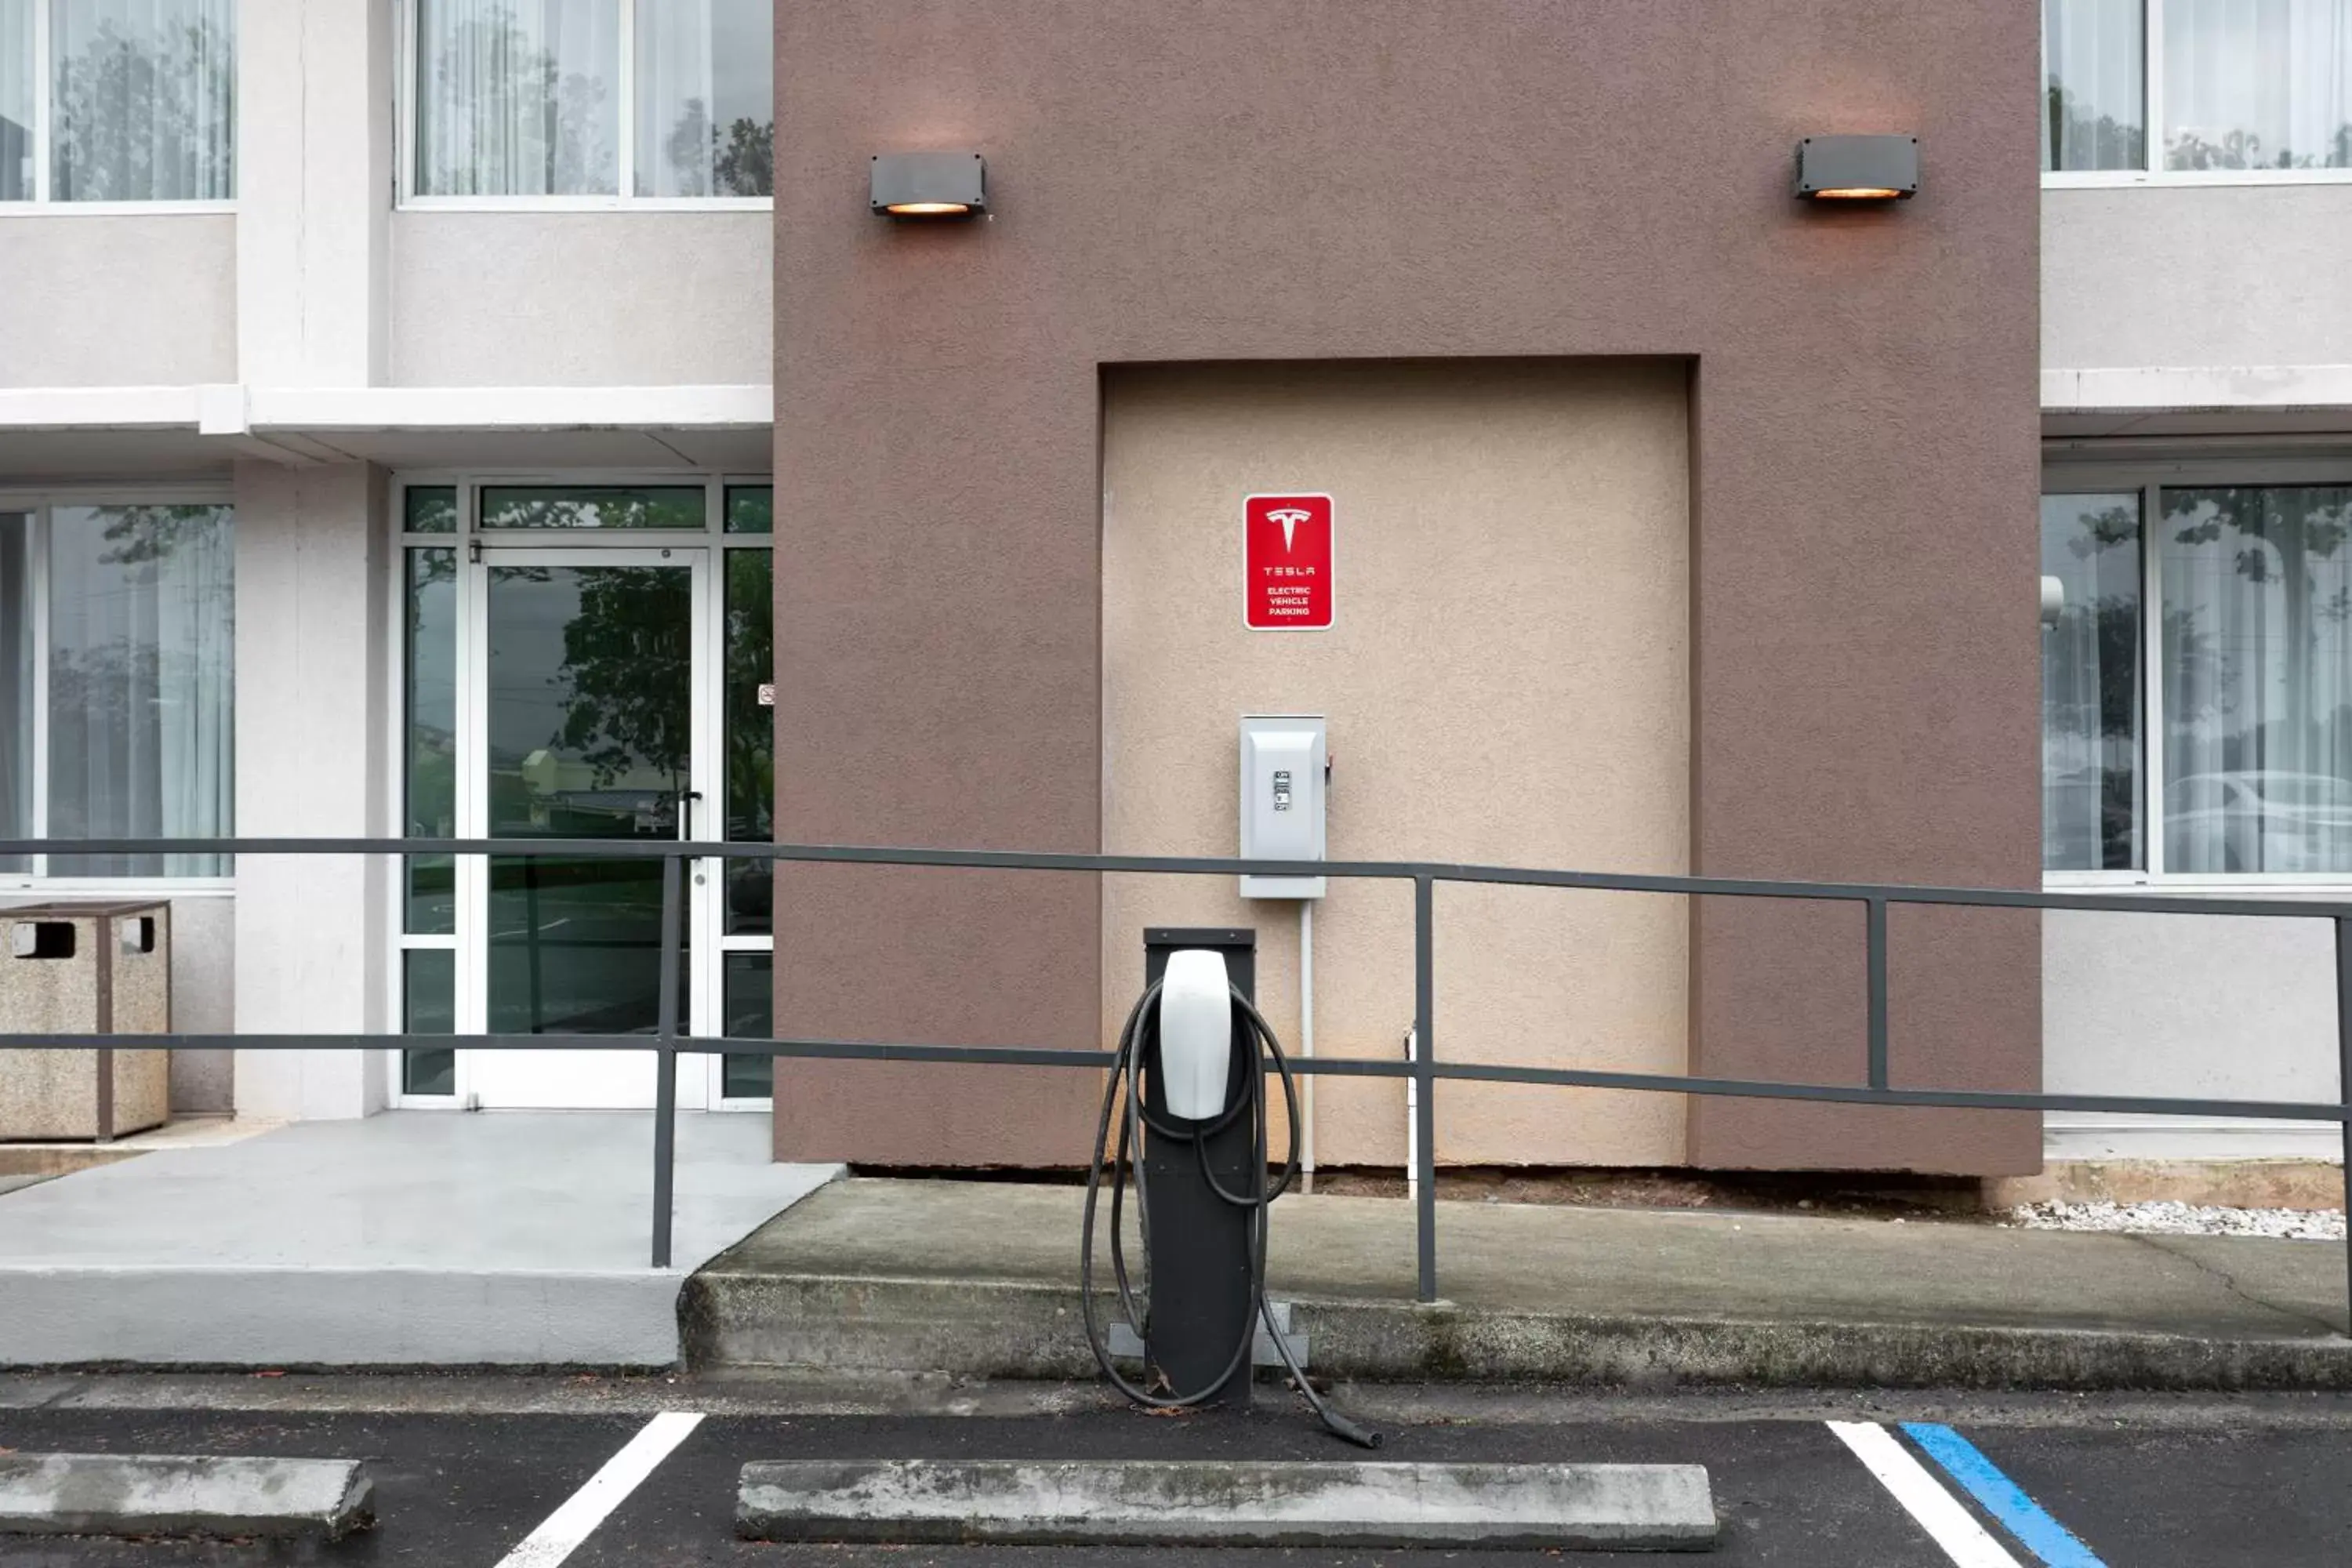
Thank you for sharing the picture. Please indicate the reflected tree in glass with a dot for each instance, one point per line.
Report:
(518, 101)
(432, 700)
(2095, 78)
(2090, 684)
(652, 507)
(740, 157)
(145, 113)
(2258, 697)
(751, 730)
(623, 653)
(141, 690)
(706, 99)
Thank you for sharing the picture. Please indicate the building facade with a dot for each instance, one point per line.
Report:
(506, 417)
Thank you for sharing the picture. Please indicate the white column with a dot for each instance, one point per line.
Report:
(311, 678)
(315, 159)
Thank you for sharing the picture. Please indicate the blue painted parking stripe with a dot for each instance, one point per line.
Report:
(2001, 1497)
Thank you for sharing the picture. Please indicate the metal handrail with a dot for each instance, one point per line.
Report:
(669, 1042)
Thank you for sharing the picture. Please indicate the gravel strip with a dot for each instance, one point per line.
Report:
(2181, 1219)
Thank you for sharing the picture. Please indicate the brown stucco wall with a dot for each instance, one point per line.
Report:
(1329, 179)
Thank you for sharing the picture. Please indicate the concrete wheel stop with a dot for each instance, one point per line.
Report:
(175, 1495)
(1193, 1502)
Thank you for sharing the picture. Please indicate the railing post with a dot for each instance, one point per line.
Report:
(665, 1059)
(1878, 924)
(2344, 1085)
(1424, 1007)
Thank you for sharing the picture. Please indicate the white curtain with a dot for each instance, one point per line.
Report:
(16, 99)
(143, 100)
(2090, 684)
(704, 98)
(2093, 68)
(195, 641)
(16, 682)
(2257, 84)
(2258, 680)
(141, 682)
(519, 97)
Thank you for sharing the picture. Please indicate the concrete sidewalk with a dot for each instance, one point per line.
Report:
(980, 1279)
(410, 1238)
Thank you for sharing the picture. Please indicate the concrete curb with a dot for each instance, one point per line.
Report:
(155, 1494)
(1021, 1329)
(1153, 1502)
(287, 1315)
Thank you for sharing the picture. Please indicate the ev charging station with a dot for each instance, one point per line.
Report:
(1189, 1095)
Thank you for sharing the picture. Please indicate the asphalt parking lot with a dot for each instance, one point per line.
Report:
(461, 1481)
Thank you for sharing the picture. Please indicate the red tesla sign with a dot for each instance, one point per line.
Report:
(1287, 563)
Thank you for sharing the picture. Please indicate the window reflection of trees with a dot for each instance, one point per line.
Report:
(2082, 138)
(2241, 149)
(2258, 707)
(147, 114)
(2283, 539)
(707, 160)
(660, 508)
(2090, 726)
(523, 115)
(116, 678)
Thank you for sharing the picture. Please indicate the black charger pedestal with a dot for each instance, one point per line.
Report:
(1202, 1301)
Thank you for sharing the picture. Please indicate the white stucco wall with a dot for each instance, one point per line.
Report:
(314, 175)
(102, 301)
(2196, 276)
(2197, 1006)
(311, 678)
(523, 299)
(204, 998)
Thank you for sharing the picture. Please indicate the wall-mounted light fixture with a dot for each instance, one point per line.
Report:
(1858, 168)
(929, 185)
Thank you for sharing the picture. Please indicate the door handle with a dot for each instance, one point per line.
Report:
(686, 799)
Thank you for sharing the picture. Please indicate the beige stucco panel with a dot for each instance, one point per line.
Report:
(521, 298)
(118, 300)
(1507, 681)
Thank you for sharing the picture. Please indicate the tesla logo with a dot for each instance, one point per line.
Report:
(1290, 517)
(1286, 550)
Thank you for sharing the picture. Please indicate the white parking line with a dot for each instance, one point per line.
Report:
(1964, 1540)
(584, 1509)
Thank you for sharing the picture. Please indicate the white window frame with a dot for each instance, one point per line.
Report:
(2082, 473)
(43, 202)
(2151, 172)
(40, 503)
(709, 989)
(626, 88)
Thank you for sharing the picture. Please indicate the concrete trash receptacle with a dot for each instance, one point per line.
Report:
(85, 968)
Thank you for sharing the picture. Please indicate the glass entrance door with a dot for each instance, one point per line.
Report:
(587, 660)
(592, 720)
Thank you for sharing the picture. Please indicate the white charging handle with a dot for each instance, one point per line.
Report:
(1196, 1034)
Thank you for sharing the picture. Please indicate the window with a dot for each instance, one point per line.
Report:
(619, 100)
(118, 101)
(2090, 683)
(2236, 88)
(2239, 740)
(117, 633)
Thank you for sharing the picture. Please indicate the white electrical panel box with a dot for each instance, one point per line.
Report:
(1286, 767)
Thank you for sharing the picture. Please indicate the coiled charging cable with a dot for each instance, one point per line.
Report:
(1136, 1041)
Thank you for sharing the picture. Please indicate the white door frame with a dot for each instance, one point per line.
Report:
(699, 1086)
(473, 779)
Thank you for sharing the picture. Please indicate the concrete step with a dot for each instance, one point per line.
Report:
(979, 1278)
